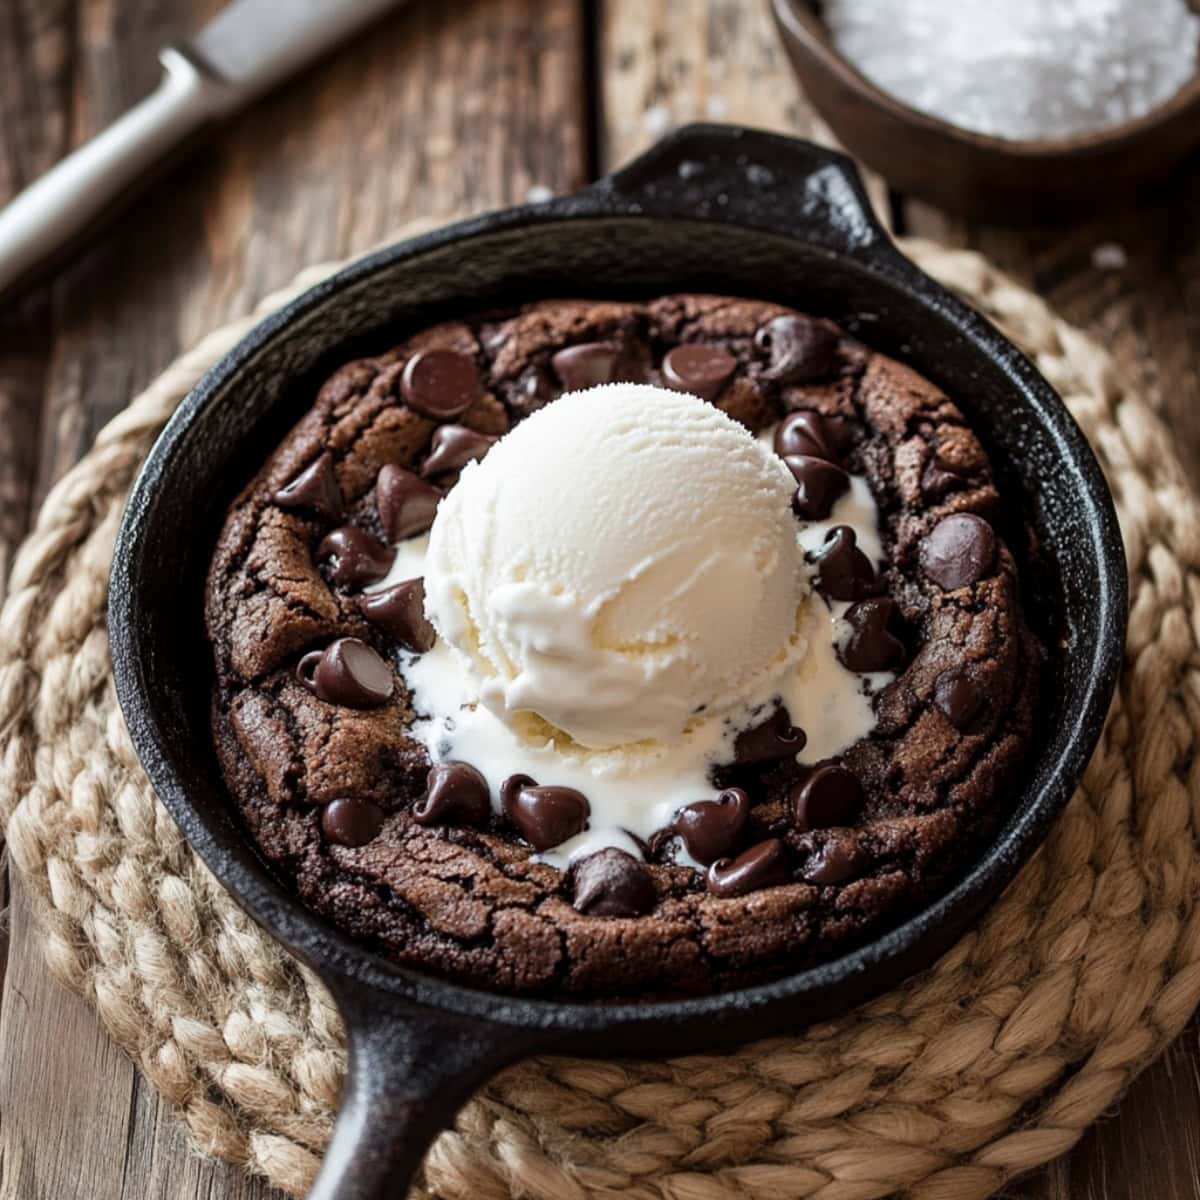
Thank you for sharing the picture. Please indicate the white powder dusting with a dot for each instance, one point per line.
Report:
(1022, 69)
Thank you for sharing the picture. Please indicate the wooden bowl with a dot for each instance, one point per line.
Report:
(971, 173)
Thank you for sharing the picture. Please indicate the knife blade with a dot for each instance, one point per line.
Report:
(247, 49)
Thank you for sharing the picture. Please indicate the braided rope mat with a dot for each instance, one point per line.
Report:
(989, 1064)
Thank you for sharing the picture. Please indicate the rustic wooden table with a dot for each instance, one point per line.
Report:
(444, 109)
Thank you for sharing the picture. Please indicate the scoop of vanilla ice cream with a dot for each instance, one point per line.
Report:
(623, 560)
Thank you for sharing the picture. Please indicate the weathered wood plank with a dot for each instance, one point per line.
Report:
(667, 62)
(440, 110)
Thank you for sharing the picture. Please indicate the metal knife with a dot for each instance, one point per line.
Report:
(247, 49)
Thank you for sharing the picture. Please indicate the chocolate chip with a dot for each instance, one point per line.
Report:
(456, 794)
(958, 698)
(351, 822)
(611, 883)
(820, 485)
(535, 390)
(835, 862)
(713, 829)
(872, 646)
(440, 384)
(843, 571)
(960, 551)
(406, 502)
(586, 366)
(802, 349)
(315, 488)
(347, 672)
(400, 612)
(454, 446)
(354, 557)
(702, 370)
(774, 739)
(546, 816)
(812, 434)
(829, 795)
(764, 865)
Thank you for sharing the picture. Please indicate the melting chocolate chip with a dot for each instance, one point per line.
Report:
(820, 485)
(354, 557)
(440, 384)
(535, 390)
(802, 349)
(456, 794)
(400, 612)
(347, 672)
(454, 446)
(764, 865)
(959, 551)
(351, 822)
(843, 571)
(774, 739)
(406, 502)
(315, 489)
(812, 434)
(713, 829)
(586, 366)
(829, 795)
(546, 816)
(702, 370)
(611, 883)
(872, 646)
(835, 862)
(958, 698)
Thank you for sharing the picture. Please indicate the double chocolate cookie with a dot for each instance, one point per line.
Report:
(789, 864)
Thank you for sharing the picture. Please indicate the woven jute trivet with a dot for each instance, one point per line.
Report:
(989, 1064)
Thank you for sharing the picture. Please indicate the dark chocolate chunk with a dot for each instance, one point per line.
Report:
(546, 816)
(612, 883)
(440, 384)
(351, 822)
(764, 865)
(534, 390)
(829, 795)
(354, 557)
(801, 349)
(959, 551)
(843, 571)
(587, 365)
(713, 829)
(702, 370)
(406, 502)
(820, 485)
(454, 446)
(347, 672)
(958, 698)
(810, 433)
(315, 489)
(456, 794)
(774, 739)
(835, 862)
(400, 612)
(872, 646)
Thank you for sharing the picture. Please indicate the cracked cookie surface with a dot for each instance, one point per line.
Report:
(938, 772)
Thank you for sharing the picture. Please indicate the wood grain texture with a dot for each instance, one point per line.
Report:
(441, 110)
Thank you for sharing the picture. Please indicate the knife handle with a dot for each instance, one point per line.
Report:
(41, 223)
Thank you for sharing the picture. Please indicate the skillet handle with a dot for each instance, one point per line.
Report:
(748, 177)
(411, 1069)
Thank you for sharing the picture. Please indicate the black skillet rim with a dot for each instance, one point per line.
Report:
(336, 956)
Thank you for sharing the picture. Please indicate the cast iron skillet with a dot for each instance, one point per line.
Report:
(710, 208)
